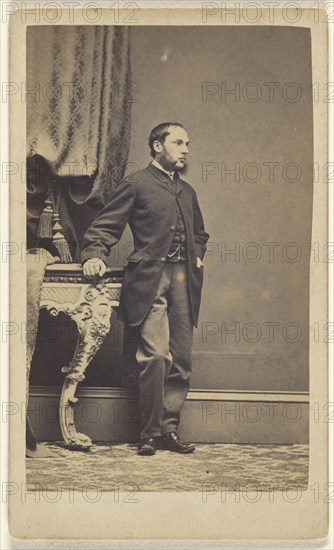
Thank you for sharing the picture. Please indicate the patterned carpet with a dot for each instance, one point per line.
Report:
(106, 466)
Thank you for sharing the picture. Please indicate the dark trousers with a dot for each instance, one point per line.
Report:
(164, 354)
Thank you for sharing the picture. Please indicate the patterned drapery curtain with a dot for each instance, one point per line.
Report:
(78, 118)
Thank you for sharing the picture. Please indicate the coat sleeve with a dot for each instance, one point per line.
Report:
(108, 226)
(200, 235)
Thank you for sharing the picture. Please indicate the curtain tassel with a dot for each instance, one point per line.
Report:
(45, 221)
(60, 242)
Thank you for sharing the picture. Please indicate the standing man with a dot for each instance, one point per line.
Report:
(161, 290)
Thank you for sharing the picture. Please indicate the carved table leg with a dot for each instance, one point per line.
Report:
(93, 322)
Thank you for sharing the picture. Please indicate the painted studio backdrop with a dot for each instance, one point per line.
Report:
(244, 96)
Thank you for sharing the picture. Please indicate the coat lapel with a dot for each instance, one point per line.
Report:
(178, 183)
(165, 179)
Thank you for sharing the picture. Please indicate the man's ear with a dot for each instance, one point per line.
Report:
(157, 146)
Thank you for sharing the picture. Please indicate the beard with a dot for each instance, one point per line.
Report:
(182, 170)
(170, 165)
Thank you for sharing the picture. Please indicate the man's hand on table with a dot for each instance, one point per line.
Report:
(93, 267)
(96, 266)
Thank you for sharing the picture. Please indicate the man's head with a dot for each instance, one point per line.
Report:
(169, 145)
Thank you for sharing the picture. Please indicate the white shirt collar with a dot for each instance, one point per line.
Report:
(157, 165)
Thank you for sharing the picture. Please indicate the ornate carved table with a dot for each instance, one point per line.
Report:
(89, 303)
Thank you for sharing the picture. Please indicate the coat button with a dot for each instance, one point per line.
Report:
(172, 227)
(163, 259)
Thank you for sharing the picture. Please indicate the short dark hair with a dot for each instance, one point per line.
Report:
(159, 133)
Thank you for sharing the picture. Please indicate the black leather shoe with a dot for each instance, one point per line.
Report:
(147, 447)
(172, 442)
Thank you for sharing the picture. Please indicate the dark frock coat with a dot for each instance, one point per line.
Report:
(148, 201)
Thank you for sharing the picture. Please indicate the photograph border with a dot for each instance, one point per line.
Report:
(188, 516)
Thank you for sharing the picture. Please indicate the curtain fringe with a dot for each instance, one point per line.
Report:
(60, 242)
(45, 221)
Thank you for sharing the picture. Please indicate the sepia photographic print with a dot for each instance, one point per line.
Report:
(168, 272)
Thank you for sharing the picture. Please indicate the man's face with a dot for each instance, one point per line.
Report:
(172, 153)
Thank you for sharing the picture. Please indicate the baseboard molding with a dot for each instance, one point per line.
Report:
(214, 416)
(245, 371)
